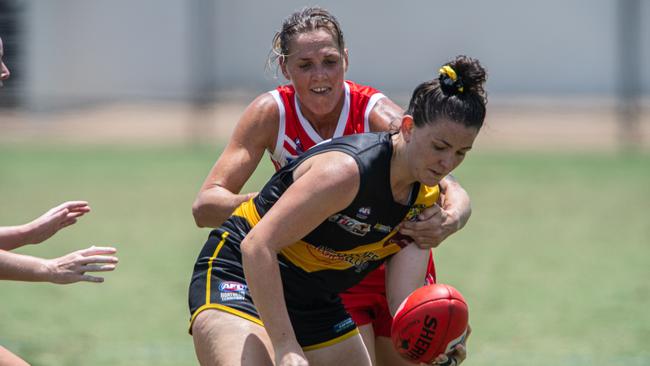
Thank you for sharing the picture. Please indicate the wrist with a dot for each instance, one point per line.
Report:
(45, 270)
(24, 232)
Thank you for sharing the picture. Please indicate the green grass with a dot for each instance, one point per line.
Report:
(554, 262)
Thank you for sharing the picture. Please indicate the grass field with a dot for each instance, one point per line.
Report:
(555, 261)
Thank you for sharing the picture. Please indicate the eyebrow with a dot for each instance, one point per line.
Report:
(449, 145)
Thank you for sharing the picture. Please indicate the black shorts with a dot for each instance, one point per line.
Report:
(218, 283)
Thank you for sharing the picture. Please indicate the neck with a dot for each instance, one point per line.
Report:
(324, 124)
(401, 179)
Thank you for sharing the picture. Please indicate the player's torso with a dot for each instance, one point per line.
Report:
(296, 135)
(356, 240)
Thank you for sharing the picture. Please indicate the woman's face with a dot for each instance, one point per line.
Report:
(316, 68)
(436, 149)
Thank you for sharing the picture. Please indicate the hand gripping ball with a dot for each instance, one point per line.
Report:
(431, 320)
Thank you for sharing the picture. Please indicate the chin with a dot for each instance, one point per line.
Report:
(430, 181)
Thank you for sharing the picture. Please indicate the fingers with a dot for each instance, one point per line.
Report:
(98, 259)
(454, 358)
(93, 250)
(460, 352)
(74, 206)
(73, 267)
(426, 234)
(97, 268)
(444, 360)
(89, 278)
(69, 206)
(430, 212)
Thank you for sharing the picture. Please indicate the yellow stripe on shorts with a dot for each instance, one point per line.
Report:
(209, 279)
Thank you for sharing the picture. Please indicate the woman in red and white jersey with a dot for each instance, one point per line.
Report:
(317, 105)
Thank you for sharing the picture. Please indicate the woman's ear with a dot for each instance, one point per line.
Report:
(406, 128)
(345, 58)
(283, 67)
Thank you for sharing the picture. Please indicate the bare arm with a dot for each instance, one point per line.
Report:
(324, 184)
(69, 268)
(385, 116)
(43, 227)
(219, 194)
(405, 272)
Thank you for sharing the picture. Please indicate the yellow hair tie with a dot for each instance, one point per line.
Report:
(447, 70)
(451, 73)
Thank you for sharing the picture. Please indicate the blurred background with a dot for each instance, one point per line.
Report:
(128, 104)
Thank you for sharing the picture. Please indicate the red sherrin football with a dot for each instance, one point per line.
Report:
(432, 320)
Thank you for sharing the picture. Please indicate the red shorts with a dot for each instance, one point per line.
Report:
(366, 302)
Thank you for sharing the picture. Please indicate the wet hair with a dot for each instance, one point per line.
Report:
(456, 94)
(303, 21)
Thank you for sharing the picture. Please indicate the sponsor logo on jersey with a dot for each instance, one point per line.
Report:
(382, 228)
(363, 213)
(342, 326)
(232, 287)
(350, 225)
(358, 260)
(232, 291)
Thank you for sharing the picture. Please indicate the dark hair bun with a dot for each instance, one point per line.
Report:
(470, 76)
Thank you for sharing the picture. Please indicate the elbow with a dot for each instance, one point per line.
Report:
(198, 212)
(249, 251)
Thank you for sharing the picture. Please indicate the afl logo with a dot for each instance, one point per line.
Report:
(232, 287)
(363, 213)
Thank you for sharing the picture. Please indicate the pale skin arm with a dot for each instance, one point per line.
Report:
(43, 227)
(435, 223)
(255, 132)
(324, 184)
(9, 359)
(69, 268)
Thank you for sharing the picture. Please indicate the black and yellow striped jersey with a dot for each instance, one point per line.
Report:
(349, 244)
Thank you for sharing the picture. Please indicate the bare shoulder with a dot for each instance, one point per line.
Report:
(385, 115)
(262, 109)
(259, 122)
(337, 168)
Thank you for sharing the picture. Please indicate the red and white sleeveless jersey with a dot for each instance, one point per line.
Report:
(296, 135)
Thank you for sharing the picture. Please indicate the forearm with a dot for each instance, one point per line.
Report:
(456, 200)
(12, 237)
(18, 267)
(262, 273)
(213, 206)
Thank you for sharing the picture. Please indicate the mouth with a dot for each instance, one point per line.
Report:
(321, 90)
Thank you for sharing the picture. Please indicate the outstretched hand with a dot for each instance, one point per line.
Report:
(54, 220)
(72, 267)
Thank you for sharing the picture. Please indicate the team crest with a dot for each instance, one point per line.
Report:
(414, 212)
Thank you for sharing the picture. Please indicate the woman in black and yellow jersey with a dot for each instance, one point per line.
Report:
(265, 286)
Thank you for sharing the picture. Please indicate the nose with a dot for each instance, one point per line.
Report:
(447, 162)
(320, 72)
